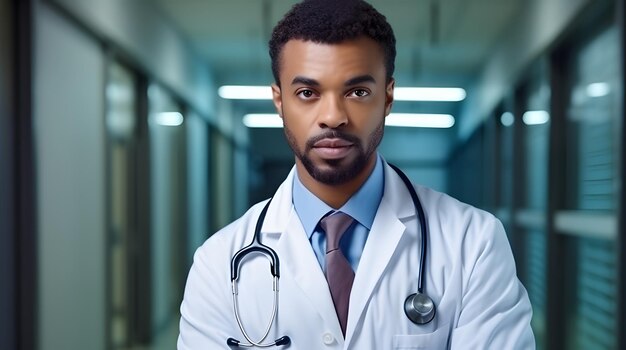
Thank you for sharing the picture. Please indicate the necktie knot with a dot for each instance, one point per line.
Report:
(335, 225)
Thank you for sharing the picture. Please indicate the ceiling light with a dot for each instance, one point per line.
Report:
(242, 92)
(535, 117)
(418, 120)
(258, 120)
(247, 92)
(507, 119)
(410, 120)
(598, 89)
(428, 94)
(168, 118)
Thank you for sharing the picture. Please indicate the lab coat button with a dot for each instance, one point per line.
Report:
(328, 338)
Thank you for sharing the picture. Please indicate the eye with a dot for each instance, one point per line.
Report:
(305, 94)
(359, 93)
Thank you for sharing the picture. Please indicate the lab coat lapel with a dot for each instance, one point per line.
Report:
(297, 257)
(387, 230)
(296, 252)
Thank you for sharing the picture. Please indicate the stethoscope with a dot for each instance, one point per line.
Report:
(418, 307)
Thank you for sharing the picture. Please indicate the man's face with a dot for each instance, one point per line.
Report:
(333, 100)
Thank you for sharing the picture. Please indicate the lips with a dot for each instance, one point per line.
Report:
(332, 148)
(332, 143)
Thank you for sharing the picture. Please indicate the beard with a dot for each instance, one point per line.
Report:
(336, 171)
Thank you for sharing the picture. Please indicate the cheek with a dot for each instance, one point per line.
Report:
(300, 121)
(295, 125)
(368, 118)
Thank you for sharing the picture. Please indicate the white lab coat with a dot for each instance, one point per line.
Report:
(470, 275)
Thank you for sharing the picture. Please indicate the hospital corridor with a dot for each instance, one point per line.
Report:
(131, 131)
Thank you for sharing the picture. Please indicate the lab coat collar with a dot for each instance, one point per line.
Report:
(282, 201)
(281, 204)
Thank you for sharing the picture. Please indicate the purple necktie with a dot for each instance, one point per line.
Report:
(339, 273)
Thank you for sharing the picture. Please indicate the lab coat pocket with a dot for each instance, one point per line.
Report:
(436, 340)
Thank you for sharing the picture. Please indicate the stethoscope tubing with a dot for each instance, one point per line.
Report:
(251, 342)
(257, 247)
(422, 220)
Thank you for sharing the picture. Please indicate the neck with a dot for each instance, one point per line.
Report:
(335, 195)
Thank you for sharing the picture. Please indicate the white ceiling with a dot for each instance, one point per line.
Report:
(436, 50)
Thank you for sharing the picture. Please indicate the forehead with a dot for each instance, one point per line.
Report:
(331, 61)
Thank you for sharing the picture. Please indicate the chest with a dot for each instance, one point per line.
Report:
(306, 313)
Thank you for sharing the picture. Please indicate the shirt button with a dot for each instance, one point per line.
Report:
(328, 338)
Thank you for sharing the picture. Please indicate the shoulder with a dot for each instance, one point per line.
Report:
(469, 240)
(461, 225)
(441, 206)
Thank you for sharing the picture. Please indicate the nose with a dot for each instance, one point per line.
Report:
(332, 113)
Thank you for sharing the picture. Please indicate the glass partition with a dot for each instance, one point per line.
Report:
(592, 185)
(533, 193)
(121, 121)
(168, 171)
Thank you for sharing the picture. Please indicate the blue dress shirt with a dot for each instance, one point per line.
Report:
(362, 206)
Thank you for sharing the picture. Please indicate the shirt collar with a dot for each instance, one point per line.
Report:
(362, 206)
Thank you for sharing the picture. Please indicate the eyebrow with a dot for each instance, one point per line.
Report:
(304, 81)
(360, 80)
(366, 78)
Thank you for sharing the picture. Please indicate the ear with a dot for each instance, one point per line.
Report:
(389, 96)
(277, 98)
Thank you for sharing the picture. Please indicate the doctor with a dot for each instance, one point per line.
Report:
(333, 65)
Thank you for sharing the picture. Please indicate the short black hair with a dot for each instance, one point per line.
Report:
(332, 22)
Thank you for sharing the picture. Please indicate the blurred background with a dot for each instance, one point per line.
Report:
(120, 154)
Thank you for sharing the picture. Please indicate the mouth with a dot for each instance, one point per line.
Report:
(333, 148)
(332, 143)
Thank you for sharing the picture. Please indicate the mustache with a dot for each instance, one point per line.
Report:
(332, 134)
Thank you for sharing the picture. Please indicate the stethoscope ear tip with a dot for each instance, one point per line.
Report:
(232, 343)
(235, 344)
(283, 341)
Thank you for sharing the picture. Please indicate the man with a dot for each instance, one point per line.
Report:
(333, 64)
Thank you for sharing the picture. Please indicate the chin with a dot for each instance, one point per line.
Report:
(335, 172)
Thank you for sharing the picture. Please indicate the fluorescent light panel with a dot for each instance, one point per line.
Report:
(419, 120)
(410, 120)
(507, 119)
(168, 118)
(429, 94)
(535, 117)
(261, 120)
(243, 92)
(598, 89)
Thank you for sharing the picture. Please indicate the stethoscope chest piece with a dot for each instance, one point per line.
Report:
(419, 308)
